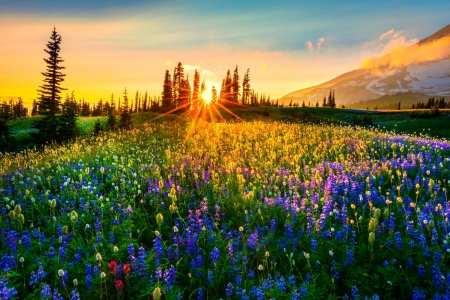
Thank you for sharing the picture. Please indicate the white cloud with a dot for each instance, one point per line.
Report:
(386, 34)
(319, 42)
(310, 45)
(190, 67)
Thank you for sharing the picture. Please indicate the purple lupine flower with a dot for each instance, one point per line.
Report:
(215, 256)
(46, 291)
(74, 295)
(229, 290)
(130, 251)
(252, 241)
(170, 277)
(5, 291)
(142, 255)
(158, 249)
(200, 294)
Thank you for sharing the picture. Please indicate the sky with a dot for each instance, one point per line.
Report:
(287, 45)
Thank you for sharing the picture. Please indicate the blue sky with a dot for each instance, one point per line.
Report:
(287, 45)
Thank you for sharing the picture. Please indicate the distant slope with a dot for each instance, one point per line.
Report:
(421, 73)
(391, 101)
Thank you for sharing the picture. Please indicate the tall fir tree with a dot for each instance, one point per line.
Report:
(34, 108)
(235, 86)
(68, 129)
(213, 95)
(6, 139)
(144, 103)
(167, 93)
(125, 118)
(196, 89)
(49, 93)
(246, 88)
(228, 84)
(177, 84)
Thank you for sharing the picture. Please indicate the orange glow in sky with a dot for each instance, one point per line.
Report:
(107, 47)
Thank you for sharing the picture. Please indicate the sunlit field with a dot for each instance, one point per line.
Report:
(257, 210)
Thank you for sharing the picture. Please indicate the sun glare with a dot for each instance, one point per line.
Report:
(206, 97)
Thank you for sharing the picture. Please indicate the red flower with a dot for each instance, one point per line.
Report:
(119, 286)
(126, 270)
(112, 267)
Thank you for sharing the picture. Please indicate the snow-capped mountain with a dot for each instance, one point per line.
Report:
(420, 68)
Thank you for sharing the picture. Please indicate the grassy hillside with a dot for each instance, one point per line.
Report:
(399, 121)
(391, 101)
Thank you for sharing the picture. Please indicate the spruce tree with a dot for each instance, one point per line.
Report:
(167, 93)
(34, 109)
(246, 88)
(228, 83)
(6, 140)
(111, 123)
(49, 93)
(235, 86)
(196, 89)
(68, 128)
(213, 95)
(125, 118)
(97, 128)
(177, 84)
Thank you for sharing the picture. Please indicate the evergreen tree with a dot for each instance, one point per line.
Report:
(213, 95)
(303, 104)
(196, 89)
(324, 103)
(228, 84)
(34, 109)
(49, 93)
(330, 99)
(6, 140)
(111, 123)
(187, 87)
(167, 93)
(202, 90)
(177, 84)
(317, 104)
(144, 104)
(68, 128)
(399, 106)
(222, 91)
(125, 118)
(235, 86)
(97, 128)
(246, 88)
(106, 109)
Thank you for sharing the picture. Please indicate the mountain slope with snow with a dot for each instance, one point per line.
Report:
(422, 68)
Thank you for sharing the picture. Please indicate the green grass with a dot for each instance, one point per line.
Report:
(398, 121)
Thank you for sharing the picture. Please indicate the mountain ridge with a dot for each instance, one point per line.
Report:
(386, 76)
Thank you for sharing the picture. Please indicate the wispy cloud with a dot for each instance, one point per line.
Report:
(386, 34)
(191, 67)
(319, 42)
(310, 45)
(207, 73)
(403, 54)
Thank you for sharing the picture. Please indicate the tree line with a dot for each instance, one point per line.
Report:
(439, 103)
(178, 94)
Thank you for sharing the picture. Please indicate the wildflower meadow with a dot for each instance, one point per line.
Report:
(256, 210)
